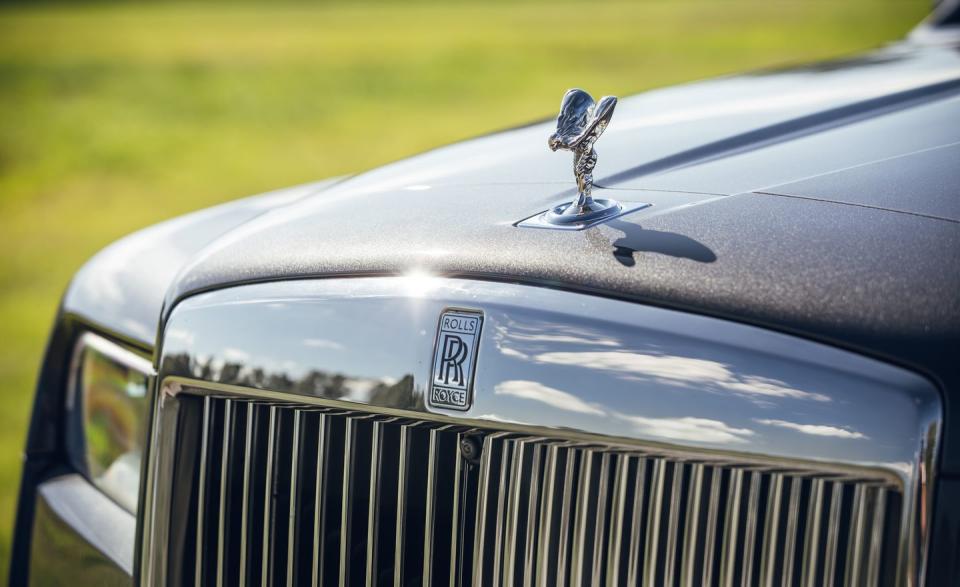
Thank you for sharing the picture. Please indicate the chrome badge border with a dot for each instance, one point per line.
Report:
(472, 359)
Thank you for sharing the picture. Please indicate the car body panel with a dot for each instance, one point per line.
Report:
(122, 287)
(812, 251)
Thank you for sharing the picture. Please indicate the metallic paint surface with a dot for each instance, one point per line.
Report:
(719, 137)
(122, 287)
(580, 364)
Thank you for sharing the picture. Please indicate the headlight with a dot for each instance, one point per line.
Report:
(107, 404)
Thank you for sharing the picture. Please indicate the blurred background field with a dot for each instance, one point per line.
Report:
(116, 116)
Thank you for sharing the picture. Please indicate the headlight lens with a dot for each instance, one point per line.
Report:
(108, 405)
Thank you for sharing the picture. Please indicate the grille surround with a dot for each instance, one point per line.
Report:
(667, 367)
(496, 503)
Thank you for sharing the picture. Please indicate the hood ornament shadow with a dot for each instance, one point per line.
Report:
(580, 124)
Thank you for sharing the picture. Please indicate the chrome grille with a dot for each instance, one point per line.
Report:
(278, 493)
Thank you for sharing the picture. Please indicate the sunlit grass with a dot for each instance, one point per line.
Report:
(115, 117)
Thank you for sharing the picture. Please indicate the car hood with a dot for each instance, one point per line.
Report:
(817, 200)
(726, 136)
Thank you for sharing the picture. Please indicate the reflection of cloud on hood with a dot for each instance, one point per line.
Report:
(552, 397)
(569, 338)
(700, 373)
(235, 355)
(522, 340)
(771, 387)
(322, 343)
(814, 429)
(697, 429)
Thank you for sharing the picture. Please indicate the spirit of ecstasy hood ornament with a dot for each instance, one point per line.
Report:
(579, 125)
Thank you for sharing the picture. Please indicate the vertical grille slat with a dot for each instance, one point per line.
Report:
(274, 493)
(731, 526)
(402, 476)
(876, 536)
(202, 508)
(534, 501)
(712, 528)
(598, 559)
(224, 482)
(635, 562)
(833, 535)
(812, 535)
(857, 535)
(232, 474)
(791, 534)
(618, 520)
(673, 524)
(750, 528)
(268, 496)
(692, 536)
(373, 501)
(771, 531)
(245, 504)
(303, 497)
(651, 554)
(563, 538)
(552, 502)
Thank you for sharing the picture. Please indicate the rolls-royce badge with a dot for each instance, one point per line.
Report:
(455, 354)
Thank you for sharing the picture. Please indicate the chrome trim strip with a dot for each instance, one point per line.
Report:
(267, 492)
(373, 498)
(673, 522)
(855, 551)
(112, 350)
(653, 523)
(455, 517)
(793, 520)
(508, 455)
(93, 517)
(833, 530)
(567, 507)
(346, 492)
(535, 513)
(202, 488)
(600, 519)
(731, 526)
(318, 496)
(544, 562)
(402, 475)
(810, 541)
(873, 562)
(430, 505)
(292, 506)
(224, 464)
(690, 535)
(581, 517)
(618, 509)
(245, 505)
(634, 566)
(713, 519)
(750, 531)
(771, 530)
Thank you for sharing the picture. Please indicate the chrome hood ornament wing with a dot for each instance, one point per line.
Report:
(580, 123)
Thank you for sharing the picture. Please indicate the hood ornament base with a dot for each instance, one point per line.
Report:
(556, 218)
(580, 123)
(590, 211)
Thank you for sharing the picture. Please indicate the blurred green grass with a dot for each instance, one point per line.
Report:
(113, 117)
